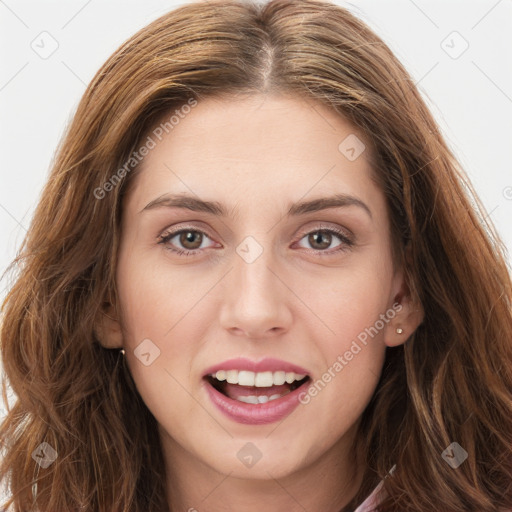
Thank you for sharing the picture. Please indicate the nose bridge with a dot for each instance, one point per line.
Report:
(255, 282)
(254, 302)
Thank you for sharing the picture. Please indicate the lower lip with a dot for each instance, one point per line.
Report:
(252, 414)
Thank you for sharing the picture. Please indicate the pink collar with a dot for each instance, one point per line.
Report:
(372, 501)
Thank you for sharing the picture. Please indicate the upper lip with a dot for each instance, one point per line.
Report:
(263, 365)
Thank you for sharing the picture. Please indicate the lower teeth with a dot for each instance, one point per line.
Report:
(258, 399)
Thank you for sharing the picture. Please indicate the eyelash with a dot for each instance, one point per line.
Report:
(346, 243)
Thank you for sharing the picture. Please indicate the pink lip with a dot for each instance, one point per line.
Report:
(250, 414)
(265, 365)
(255, 414)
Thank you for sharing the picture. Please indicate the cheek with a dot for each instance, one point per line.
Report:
(354, 308)
(348, 300)
(154, 299)
(156, 333)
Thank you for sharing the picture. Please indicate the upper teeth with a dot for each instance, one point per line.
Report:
(259, 379)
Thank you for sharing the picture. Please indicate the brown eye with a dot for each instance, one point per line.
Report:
(191, 239)
(185, 241)
(320, 239)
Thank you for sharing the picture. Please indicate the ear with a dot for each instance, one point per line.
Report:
(408, 313)
(107, 328)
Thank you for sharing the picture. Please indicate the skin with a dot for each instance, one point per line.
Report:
(257, 155)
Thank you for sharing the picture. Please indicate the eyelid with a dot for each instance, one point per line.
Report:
(191, 227)
(323, 226)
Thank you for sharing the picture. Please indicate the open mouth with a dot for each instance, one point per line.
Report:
(255, 388)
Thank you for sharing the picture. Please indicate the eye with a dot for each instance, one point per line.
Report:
(191, 241)
(322, 238)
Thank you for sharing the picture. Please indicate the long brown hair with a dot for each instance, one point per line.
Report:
(450, 382)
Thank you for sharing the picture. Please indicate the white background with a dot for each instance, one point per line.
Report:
(471, 95)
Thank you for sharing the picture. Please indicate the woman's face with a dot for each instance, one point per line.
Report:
(290, 284)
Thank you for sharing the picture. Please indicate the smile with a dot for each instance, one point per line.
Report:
(256, 388)
(255, 397)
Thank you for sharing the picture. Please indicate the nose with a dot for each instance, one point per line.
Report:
(255, 303)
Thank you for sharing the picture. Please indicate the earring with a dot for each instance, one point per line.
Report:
(122, 351)
(399, 330)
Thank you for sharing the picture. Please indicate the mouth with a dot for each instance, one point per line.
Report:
(256, 388)
(255, 392)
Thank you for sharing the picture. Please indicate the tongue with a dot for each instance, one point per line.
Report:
(235, 391)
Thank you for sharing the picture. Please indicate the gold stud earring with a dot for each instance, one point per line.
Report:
(399, 330)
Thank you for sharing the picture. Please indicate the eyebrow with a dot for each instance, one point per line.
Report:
(215, 208)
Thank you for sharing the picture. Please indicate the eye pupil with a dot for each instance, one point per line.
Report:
(319, 235)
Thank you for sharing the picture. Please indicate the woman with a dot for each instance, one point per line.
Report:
(256, 280)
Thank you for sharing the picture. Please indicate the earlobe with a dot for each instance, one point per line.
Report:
(107, 328)
(405, 323)
(407, 319)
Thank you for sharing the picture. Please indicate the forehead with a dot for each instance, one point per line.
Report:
(256, 146)
(255, 126)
